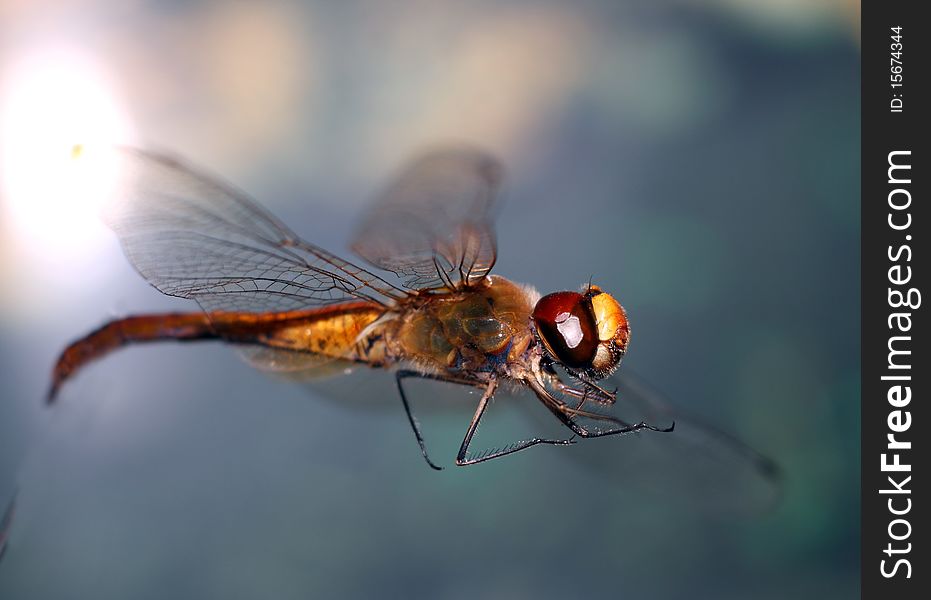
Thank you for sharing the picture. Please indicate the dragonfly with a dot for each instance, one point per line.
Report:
(425, 305)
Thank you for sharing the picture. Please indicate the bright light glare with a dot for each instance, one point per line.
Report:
(52, 106)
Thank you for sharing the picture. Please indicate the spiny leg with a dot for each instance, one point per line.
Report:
(624, 426)
(562, 412)
(593, 392)
(600, 394)
(603, 396)
(462, 459)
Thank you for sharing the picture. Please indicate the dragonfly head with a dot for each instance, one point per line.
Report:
(585, 331)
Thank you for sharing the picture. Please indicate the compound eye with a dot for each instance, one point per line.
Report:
(566, 324)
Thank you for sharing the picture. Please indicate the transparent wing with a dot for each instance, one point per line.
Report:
(355, 385)
(192, 236)
(433, 226)
(695, 463)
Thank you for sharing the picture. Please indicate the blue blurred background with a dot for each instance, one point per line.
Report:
(699, 159)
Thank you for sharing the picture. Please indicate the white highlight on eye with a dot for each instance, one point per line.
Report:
(570, 328)
(56, 108)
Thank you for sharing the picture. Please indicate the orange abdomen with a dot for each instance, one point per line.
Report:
(331, 331)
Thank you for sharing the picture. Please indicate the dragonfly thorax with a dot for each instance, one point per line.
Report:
(474, 329)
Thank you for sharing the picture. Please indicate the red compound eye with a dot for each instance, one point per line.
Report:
(566, 323)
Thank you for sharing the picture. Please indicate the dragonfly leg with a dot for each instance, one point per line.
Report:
(463, 458)
(593, 392)
(602, 395)
(625, 428)
(399, 376)
(564, 413)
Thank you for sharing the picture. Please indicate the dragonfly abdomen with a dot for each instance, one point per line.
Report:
(120, 332)
(339, 331)
(332, 331)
